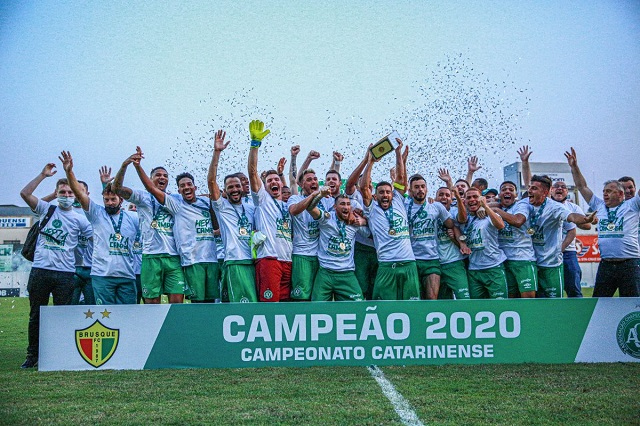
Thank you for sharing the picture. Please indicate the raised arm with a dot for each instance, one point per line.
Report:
(472, 167)
(445, 176)
(146, 180)
(280, 170)
(365, 189)
(524, 154)
(257, 132)
(118, 180)
(293, 169)
(27, 192)
(578, 178)
(352, 181)
(313, 155)
(67, 165)
(218, 147)
(315, 198)
(336, 161)
(401, 174)
(496, 220)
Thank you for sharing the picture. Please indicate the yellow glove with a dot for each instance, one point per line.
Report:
(257, 131)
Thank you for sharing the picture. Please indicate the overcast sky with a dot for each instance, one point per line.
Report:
(454, 78)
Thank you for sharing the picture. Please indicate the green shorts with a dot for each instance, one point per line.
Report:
(522, 276)
(204, 280)
(114, 290)
(396, 281)
(490, 283)
(161, 274)
(335, 285)
(303, 274)
(454, 276)
(224, 291)
(551, 280)
(239, 277)
(366, 261)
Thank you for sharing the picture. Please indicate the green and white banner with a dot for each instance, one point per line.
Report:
(339, 333)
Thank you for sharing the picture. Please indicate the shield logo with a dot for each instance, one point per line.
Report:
(97, 343)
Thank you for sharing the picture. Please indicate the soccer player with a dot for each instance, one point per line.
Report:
(54, 263)
(397, 277)
(161, 272)
(619, 268)
(513, 239)
(546, 218)
(629, 187)
(236, 220)
(486, 272)
(572, 271)
(114, 231)
(452, 250)
(335, 279)
(423, 220)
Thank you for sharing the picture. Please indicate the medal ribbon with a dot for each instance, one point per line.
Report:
(613, 215)
(117, 228)
(534, 219)
(342, 228)
(242, 220)
(389, 214)
(283, 210)
(156, 213)
(413, 219)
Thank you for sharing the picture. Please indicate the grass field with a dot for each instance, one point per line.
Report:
(498, 394)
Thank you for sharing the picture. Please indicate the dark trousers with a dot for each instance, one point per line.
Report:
(42, 283)
(82, 285)
(572, 274)
(612, 276)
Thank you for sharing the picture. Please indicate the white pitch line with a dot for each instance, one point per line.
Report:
(400, 405)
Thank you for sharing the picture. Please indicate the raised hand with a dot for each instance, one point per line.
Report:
(472, 164)
(314, 155)
(572, 158)
(337, 156)
(281, 163)
(295, 150)
(105, 174)
(66, 160)
(257, 130)
(49, 170)
(400, 145)
(524, 153)
(444, 176)
(134, 158)
(219, 144)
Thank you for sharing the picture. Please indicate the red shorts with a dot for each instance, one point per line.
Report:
(273, 279)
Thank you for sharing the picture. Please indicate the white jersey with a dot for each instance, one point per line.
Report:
(236, 225)
(305, 230)
(273, 219)
(336, 243)
(568, 226)
(618, 228)
(545, 222)
(193, 230)
(482, 239)
(423, 227)
(57, 242)
(156, 223)
(390, 230)
(516, 242)
(365, 238)
(113, 238)
(448, 251)
(137, 246)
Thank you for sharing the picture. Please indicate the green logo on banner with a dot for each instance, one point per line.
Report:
(628, 334)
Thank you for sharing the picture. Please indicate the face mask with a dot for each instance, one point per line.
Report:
(66, 202)
(112, 210)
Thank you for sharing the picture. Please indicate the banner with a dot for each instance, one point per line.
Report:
(339, 333)
(587, 248)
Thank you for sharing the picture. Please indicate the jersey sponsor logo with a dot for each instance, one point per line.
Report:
(57, 223)
(244, 300)
(628, 334)
(268, 294)
(297, 291)
(97, 343)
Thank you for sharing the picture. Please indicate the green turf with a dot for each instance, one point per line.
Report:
(500, 394)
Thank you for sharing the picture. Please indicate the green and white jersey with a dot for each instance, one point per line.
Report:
(305, 230)
(365, 238)
(57, 242)
(137, 246)
(482, 239)
(516, 242)
(336, 243)
(618, 228)
(84, 249)
(193, 230)
(568, 226)
(113, 239)
(219, 246)
(156, 223)
(272, 218)
(423, 227)
(390, 230)
(448, 251)
(546, 223)
(236, 226)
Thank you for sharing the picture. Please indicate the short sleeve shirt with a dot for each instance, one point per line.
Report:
(84, 249)
(423, 228)
(336, 243)
(272, 218)
(236, 225)
(56, 243)
(516, 242)
(362, 237)
(390, 230)
(617, 228)
(305, 230)
(193, 231)
(482, 239)
(546, 222)
(568, 226)
(113, 240)
(448, 251)
(156, 223)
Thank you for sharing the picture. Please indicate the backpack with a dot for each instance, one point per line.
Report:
(29, 248)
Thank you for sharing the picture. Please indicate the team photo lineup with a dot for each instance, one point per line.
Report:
(307, 235)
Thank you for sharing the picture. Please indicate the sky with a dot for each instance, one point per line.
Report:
(454, 78)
